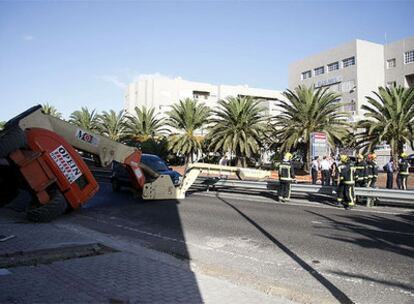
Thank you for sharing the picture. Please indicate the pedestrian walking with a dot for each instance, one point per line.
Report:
(403, 171)
(315, 169)
(286, 177)
(326, 174)
(372, 170)
(346, 183)
(389, 169)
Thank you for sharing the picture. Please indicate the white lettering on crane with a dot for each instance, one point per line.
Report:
(66, 164)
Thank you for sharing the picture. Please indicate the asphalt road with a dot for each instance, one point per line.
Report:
(310, 252)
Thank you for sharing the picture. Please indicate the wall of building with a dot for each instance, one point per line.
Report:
(161, 92)
(370, 71)
(400, 71)
(343, 80)
(358, 81)
(322, 59)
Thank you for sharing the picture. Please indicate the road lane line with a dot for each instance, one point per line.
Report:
(355, 281)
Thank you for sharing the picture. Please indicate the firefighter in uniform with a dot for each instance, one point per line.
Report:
(402, 176)
(346, 183)
(286, 177)
(361, 176)
(372, 169)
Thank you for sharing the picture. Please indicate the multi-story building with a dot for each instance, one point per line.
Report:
(356, 69)
(161, 92)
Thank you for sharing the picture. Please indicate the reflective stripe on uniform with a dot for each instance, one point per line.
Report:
(281, 167)
(351, 203)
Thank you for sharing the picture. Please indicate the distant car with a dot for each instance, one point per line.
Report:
(120, 177)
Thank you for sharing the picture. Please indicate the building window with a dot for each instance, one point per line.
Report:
(391, 63)
(306, 75)
(409, 57)
(348, 86)
(391, 84)
(333, 66)
(319, 71)
(200, 94)
(348, 62)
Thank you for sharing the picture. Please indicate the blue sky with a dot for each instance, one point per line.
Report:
(74, 54)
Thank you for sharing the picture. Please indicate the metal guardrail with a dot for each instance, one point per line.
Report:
(388, 195)
(405, 197)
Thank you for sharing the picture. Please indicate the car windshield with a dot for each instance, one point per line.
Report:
(154, 163)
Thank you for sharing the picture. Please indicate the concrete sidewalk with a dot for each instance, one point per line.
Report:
(47, 263)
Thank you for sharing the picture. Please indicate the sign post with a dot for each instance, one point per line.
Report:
(319, 144)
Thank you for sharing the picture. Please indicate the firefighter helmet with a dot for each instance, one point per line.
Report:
(344, 158)
(404, 155)
(372, 156)
(288, 156)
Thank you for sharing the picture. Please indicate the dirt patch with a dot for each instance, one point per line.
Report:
(50, 255)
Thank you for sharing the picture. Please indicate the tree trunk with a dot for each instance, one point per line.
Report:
(394, 153)
(308, 158)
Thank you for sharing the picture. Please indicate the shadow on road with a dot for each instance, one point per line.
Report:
(387, 283)
(335, 291)
(129, 221)
(378, 232)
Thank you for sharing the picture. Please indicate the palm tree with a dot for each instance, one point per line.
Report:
(389, 117)
(144, 124)
(112, 124)
(51, 110)
(239, 127)
(84, 118)
(305, 111)
(186, 117)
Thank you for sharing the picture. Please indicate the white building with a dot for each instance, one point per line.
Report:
(356, 69)
(161, 92)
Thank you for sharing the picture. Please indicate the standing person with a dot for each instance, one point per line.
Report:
(334, 173)
(223, 161)
(372, 170)
(361, 175)
(331, 162)
(315, 169)
(346, 183)
(286, 177)
(389, 168)
(326, 174)
(403, 172)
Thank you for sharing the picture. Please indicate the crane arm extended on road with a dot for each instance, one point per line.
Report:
(41, 152)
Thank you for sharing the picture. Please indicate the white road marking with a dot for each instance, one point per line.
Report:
(256, 260)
